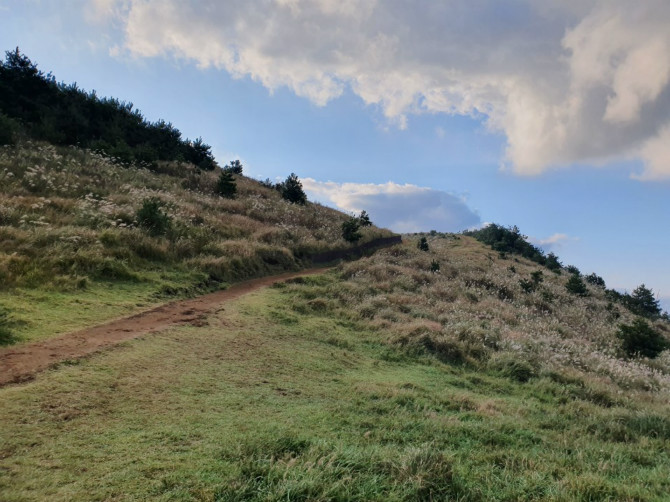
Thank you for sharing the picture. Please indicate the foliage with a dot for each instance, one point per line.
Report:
(152, 217)
(643, 302)
(537, 277)
(292, 191)
(507, 240)
(225, 185)
(576, 286)
(364, 219)
(571, 269)
(8, 130)
(552, 263)
(434, 266)
(64, 114)
(595, 279)
(423, 244)
(351, 230)
(640, 338)
(234, 167)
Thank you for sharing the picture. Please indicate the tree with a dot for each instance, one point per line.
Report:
(151, 217)
(642, 302)
(552, 263)
(364, 219)
(576, 286)
(595, 279)
(640, 338)
(234, 167)
(423, 244)
(350, 230)
(226, 186)
(292, 191)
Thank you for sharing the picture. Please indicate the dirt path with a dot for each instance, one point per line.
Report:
(22, 363)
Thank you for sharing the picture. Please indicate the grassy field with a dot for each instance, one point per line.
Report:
(284, 397)
(73, 251)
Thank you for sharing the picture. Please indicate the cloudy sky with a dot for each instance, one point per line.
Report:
(551, 115)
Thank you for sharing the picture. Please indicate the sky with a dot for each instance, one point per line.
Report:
(551, 115)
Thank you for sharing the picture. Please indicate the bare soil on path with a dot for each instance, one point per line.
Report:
(22, 363)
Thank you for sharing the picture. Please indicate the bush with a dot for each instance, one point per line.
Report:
(513, 367)
(552, 263)
(226, 186)
(640, 338)
(571, 269)
(350, 230)
(423, 244)
(151, 217)
(576, 286)
(434, 266)
(364, 219)
(292, 191)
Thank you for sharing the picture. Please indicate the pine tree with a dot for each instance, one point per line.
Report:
(292, 191)
(643, 302)
(350, 230)
(226, 186)
(423, 244)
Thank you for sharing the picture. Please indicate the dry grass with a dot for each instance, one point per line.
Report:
(475, 312)
(68, 215)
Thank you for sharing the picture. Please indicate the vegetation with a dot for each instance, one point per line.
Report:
(351, 230)
(235, 167)
(34, 105)
(643, 302)
(291, 190)
(75, 226)
(641, 339)
(6, 331)
(225, 185)
(423, 244)
(576, 286)
(377, 381)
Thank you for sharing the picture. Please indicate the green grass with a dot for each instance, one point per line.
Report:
(277, 398)
(40, 313)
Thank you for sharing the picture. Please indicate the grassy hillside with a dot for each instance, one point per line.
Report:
(73, 250)
(379, 381)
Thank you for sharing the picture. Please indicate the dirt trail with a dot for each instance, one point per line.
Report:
(22, 363)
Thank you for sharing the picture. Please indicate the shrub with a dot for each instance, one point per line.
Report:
(527, 286)
(537, 277)
(576, 286)
(434, 266)
(640, 338)
(513, 367)
(423, 244)
(350, 230)
(292, 191)
(8, 130)
(226, 186)
(151, 217)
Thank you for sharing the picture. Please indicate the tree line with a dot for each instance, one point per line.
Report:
(34, 105)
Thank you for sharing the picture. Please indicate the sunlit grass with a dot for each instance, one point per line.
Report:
(274, 403)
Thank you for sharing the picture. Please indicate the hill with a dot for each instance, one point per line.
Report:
(380, 380)
(74, 251)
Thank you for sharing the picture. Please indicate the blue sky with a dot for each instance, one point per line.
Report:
(446, 115)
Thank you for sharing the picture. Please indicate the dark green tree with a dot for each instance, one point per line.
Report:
(364, 219)
(292, 191)
(226, 186)
(640, 338)
(350, 230)
(571, 269)
(152, 217)
(423, 244)
(596, 280)
(576, 286)
(235, 167)
(642, 302)
(552, 263)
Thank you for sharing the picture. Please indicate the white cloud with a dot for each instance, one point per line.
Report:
(565, 80)
(552, 242)
(402, 208)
